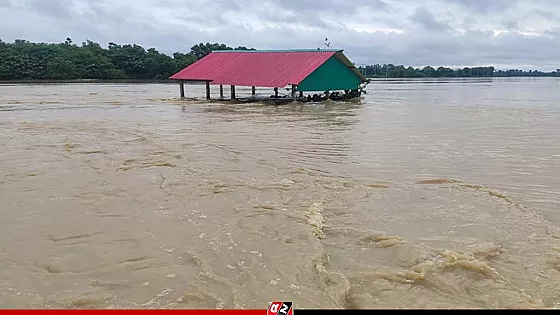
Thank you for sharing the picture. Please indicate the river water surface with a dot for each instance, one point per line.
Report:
(425, 194)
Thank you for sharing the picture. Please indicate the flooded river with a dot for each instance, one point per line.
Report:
(424, 195)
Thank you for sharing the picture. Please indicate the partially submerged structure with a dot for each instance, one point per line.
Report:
(311, 70)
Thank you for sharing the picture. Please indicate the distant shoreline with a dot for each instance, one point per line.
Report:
(136, 81)
(85, 81)
(25, 62)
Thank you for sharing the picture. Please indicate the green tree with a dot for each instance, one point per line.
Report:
(201, 50)
(183, 60)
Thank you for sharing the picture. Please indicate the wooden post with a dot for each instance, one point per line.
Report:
(300, 93)
(182, 88)
(232, 92)
(293, 92)
(253, 92)
(275, 92)
(221, 91)
(207, 90)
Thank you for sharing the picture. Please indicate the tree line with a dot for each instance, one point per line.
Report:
(24, 60)
(393, 71)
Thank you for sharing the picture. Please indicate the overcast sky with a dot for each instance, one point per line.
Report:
(504, 33)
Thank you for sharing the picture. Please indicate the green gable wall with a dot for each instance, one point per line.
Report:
(332, 75)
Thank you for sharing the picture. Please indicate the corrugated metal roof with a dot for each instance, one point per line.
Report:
(282, 50)
(256, 68)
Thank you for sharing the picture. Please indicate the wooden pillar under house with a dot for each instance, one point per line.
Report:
(300, 93)
(182, 88)
(293, 92)
(221, 91)
(275, 92)
(207, 90)
(253, 92)
(232, 92)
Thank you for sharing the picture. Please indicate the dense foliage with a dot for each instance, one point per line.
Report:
(392, 71)
(23, 60)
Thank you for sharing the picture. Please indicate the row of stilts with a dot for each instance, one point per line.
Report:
(348, 94)
(232, 90)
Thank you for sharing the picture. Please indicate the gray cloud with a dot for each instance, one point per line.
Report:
(503, 33)
(486, 6)
(426, 19)
(55, 9)
(553, 17)
(5, 4)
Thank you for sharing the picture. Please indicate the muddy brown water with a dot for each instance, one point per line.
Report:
(424, 195)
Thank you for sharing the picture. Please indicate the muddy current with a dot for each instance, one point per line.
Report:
(425, 194)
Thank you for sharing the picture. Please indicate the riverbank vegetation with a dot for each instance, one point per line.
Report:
(24, 60)
(27, 61)
(393, 71)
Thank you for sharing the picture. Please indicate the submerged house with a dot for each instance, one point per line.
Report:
(300, 70)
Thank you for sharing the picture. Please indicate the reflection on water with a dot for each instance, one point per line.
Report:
(421, 195)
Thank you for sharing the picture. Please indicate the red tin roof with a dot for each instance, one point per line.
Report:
(256, 68)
